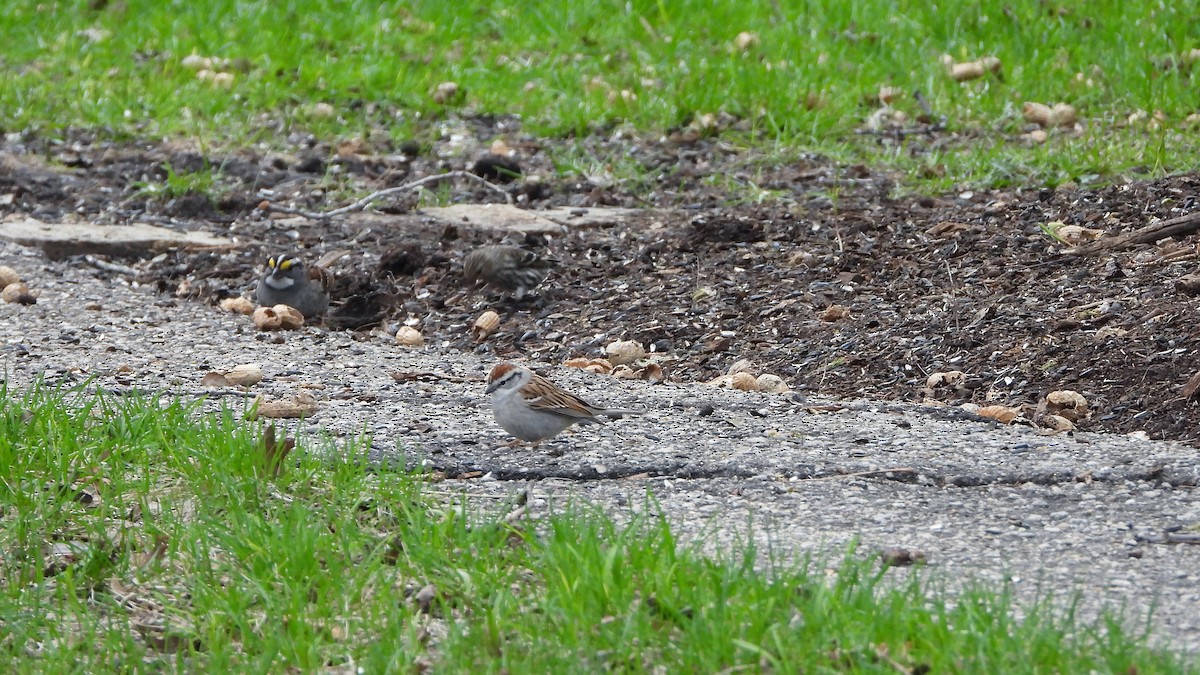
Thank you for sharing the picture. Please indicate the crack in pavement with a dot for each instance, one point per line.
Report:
(466, 471)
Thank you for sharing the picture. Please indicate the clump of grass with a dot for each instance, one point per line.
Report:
(140, 534)
(180, 184)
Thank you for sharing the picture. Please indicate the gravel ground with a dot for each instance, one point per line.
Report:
(981, 501)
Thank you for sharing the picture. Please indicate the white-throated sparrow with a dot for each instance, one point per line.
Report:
(508, 268)
(288, 281)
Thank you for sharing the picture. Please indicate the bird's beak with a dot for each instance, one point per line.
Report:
(491, 387)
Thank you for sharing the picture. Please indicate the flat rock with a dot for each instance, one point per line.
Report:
(499, 217)
(590, 217)
(60, 240)
(507, 218)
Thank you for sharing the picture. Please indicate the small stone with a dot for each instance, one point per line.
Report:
(772, 383)
(8, 276)
(446, 92)
(745, 40)
(18, 293)
(624, 352)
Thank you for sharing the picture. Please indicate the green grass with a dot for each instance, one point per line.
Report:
(142, 535)
(571, 68)
(178, 184)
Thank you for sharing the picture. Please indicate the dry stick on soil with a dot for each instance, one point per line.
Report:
(362, 203)
(1175, 227)
(110, 267)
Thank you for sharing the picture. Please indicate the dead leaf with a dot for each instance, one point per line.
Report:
(274, 451)
(214, 379)
(1071, 235)
(947, 228)
(1193, 383)
(652, 373)
(835, 313)
(597, 366)
(898, 557)
(1000, 413)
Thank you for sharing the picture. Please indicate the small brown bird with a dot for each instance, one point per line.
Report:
(508, 268)
(533, 409)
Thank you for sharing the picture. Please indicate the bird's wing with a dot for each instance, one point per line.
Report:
(331, 257)
(555, 400)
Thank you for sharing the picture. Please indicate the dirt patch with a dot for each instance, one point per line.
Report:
(967, 282)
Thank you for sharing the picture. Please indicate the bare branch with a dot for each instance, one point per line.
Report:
(365, 201)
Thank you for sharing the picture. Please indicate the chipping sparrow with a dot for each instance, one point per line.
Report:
(288, 281)
(533, 408)
(508, 268)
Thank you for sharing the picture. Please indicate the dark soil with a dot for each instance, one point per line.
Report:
(965, 282)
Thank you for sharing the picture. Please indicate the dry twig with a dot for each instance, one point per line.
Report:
(110, 267)
(365, 201)
(1175, 227)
